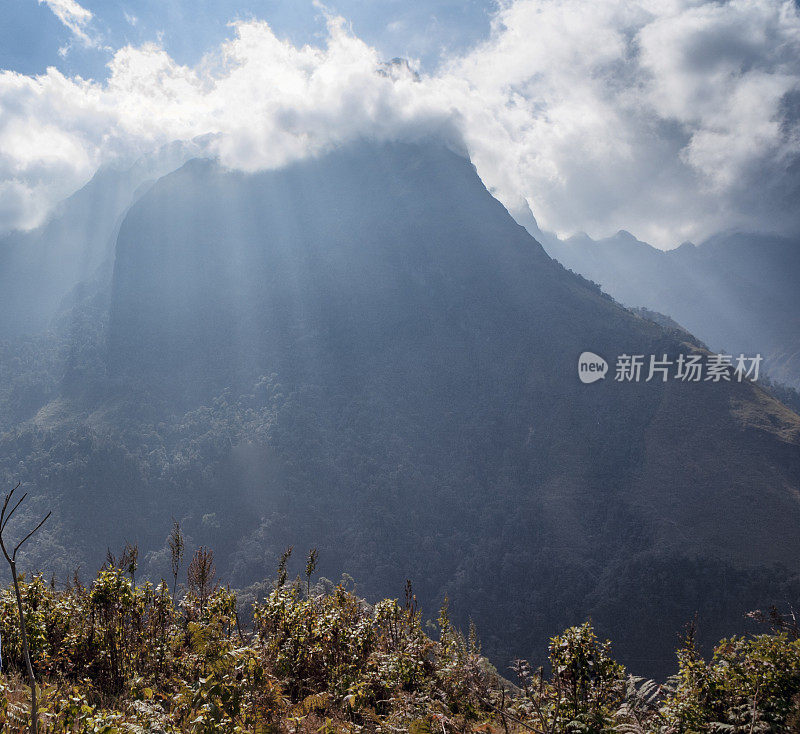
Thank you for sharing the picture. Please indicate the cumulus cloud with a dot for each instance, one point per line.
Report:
(262, 101)
(670, 118)
(661, 117)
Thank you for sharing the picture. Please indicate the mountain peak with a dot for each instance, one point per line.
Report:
(405, 360)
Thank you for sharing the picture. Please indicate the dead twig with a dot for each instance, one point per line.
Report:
(5, 516)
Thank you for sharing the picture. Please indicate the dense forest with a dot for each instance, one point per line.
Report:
(366, 354)
(307, 655)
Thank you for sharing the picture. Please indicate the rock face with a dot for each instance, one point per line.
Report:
(365, 353)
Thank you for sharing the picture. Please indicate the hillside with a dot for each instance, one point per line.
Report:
(738, 292)
(365, 353)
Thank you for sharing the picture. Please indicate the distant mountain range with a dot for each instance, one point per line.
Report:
(365, 353)
(738, 292)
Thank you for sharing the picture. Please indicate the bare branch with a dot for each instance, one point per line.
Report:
(19, 545)
(7, 500)
(7, 517)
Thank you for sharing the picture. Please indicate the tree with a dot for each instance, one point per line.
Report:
(5, 517)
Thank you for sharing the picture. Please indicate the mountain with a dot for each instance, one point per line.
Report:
(737, 291)
(40, 268)
(365, 353)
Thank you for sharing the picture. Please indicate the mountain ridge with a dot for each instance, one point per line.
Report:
(736, 291)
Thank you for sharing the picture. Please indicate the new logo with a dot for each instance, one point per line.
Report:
(591, 368)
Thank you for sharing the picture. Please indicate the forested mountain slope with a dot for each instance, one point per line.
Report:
(363, 352)
(736, 291)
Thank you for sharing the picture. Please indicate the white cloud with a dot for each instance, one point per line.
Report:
(659, 117)
(73, 16)
(669, 118)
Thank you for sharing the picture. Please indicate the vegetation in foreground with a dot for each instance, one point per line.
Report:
(117, 656)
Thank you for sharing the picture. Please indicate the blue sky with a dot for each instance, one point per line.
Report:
(31, 34)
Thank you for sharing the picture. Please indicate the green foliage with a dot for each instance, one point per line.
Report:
(749, 685)
(115, 656)
(586, 679)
